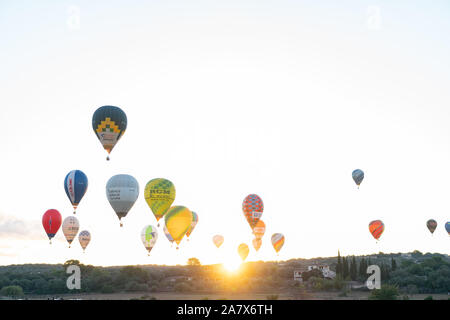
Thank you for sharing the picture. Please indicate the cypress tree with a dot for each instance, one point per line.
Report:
(393, 264)
(345, 272)
(339, 265)
(353, 270)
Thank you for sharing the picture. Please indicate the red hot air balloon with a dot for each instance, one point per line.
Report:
(51, 222)
(376, 228)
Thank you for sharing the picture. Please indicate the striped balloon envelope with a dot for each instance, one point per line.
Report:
(277, 241)
(252, 208)
(376, 228)
(193, 224)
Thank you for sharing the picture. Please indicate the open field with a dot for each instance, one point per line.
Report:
(225, 296)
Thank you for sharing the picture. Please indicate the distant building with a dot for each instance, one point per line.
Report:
(326, 272)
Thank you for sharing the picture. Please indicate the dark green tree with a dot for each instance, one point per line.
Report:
(393, 264)
(353, 269)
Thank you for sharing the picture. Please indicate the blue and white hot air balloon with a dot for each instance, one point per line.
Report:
(75, 184)
(358, 176)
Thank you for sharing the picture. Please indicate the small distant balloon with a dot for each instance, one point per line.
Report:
(75, 185)
(277, 241)
(84, 237)
(51, 221)
(218, 240)
(257, 242)
(243, 251)
(376, 228)
(70, 228)
(358, 176)
(431, 225)
(149, 235)
(447, 227)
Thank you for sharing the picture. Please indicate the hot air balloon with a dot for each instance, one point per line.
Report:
(277, 241)
(70, 228)
(243, 251)
(178, 220)
(51, 220)
(257, 242)
(447, 227)
(431, 225)
(218, 240)
(122, 190)
(75, 184)
(169, 237)
(259, 229)
(84, 237)
(109, 124)
(193, 224)
(252, 208)
(159, 194)
(358, 176)
(149, 235)
(376, 228)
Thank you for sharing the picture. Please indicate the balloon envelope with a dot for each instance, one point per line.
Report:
(431, 225)
(166, 232)
(376, 228)
(51, 220)
(257, 242)
(122, 190)
(193, 224)
(159, 194)
(447, 227)
(252, 208)
(109, 124)
(149, 235)
(243, 251)
(277, 241)
(70, 228)
(259, 229)
(358, 176)
(75, 185)
(178, 220)
(218, 240)
(84, 237)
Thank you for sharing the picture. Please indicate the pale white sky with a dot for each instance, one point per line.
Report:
(279, 98)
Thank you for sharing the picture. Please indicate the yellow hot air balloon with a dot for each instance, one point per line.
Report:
(159, 194)
(178, 221)
(218, 240)
(243, 251)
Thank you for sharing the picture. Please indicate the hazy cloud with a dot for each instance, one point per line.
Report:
(14, 228)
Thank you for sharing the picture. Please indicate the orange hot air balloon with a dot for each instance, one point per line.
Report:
(257, 242)
(376, 228)
(243, 251)
(259, 229)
